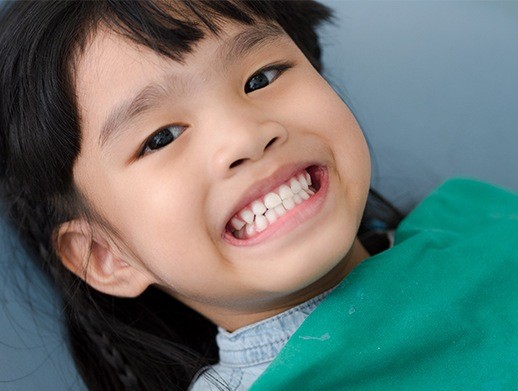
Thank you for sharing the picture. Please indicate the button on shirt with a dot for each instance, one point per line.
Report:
(245, 353)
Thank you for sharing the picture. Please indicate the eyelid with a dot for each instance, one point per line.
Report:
(280, 66)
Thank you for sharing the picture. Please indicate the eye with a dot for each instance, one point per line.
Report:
(265, 76)
(162, 137)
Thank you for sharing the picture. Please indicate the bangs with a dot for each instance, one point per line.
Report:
(172, 28)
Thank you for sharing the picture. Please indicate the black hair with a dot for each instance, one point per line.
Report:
(152, 341)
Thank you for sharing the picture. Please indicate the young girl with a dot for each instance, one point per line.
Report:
(182, 165)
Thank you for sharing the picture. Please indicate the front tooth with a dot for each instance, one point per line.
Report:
(271, 200)
(304, 195)
(288, 203)
(271, 216)
(308, 178)
(261, 223)
(295, 186)
(250, 229)
(285, 192)
(237, 223)
(297, 198)
(303, 181)
(279, 210)
(247, 215)
(258, 208)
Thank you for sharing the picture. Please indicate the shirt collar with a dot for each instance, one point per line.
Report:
(262, 341)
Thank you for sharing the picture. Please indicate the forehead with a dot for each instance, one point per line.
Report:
(107, 48)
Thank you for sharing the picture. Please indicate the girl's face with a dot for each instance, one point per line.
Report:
(176, 155)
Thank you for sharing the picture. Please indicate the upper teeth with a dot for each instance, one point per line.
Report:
(266, 210)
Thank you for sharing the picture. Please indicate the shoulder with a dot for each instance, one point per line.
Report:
(462, 207)
(221, 377)
(208, 379)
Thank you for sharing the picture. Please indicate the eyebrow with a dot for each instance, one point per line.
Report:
(254, 37)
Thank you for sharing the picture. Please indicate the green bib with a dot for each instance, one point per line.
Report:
(438, 311)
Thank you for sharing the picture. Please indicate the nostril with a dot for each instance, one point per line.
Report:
(237, 163)
(272, 141)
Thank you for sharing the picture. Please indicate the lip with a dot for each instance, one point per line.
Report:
(271, 183)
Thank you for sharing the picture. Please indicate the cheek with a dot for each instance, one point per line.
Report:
(164, 211)
(344, 134)
(315, 108)
(158, 215)
(338, 127)
(315, 104)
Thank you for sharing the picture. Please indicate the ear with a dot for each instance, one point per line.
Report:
(90, 254)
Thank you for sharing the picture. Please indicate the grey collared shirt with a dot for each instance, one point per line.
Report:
(245, 353)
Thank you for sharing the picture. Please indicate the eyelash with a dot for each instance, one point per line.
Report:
(174, 133)
(280, 68)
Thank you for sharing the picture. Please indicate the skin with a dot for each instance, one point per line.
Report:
(168, 207)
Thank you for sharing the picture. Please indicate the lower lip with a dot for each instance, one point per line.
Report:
(291, 220)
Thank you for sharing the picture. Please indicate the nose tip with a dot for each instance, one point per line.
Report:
(246, 145)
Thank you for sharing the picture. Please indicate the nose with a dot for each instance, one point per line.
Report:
(242, 139)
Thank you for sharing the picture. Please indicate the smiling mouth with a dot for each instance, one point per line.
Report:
(277, 205)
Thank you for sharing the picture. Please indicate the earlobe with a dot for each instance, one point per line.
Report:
(91, 256)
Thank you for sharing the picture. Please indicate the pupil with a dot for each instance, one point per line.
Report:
(161, 138)
(258, 81)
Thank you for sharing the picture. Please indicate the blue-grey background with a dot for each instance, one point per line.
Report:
(434, 85)
(435, 88)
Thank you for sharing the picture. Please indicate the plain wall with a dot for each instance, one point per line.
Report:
(434, 85)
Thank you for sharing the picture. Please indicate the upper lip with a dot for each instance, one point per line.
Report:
(266, 185)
